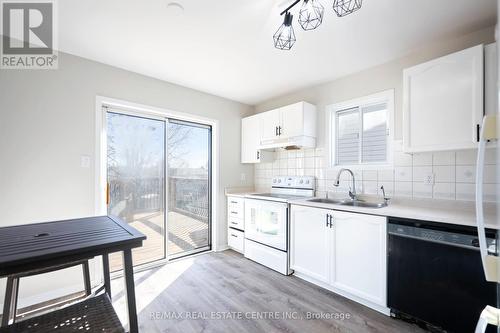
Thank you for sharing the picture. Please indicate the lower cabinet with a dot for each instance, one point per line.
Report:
(341, 251)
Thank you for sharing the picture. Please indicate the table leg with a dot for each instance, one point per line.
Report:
(107, 279)
(130, 291)
(86, 278)
(10, 302)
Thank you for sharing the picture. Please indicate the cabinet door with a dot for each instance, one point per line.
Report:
(270, 121)
(444, 91)
(359, 255)
(310, 239)
(292, 120)
(250, 139)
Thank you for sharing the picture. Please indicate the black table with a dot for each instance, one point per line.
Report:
(37, 246)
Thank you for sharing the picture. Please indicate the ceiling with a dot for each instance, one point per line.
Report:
(225, 47)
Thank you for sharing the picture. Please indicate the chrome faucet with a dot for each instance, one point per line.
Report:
(352, 191)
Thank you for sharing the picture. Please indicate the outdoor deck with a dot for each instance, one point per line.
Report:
(185, 234)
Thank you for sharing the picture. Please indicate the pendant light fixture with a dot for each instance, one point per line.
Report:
(284, 38)
(346, 7)
(311, 14)
(310, 17)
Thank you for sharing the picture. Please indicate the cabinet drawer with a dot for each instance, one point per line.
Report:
(235, 207)
(236, 239)
(236, 223)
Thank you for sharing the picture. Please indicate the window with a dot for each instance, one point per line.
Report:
(361, 131)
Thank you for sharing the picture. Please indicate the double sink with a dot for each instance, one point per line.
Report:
(348, 202)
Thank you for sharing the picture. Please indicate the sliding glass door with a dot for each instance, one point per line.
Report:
(159, 180)
(136, 180)
(189, 163)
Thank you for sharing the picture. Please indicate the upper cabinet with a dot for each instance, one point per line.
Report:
(286, 123)
(250, 141)
(443, 102)
(289, 126)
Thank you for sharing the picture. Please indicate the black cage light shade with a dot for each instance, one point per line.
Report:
(346, 7)
(284, 38)
(311, 14)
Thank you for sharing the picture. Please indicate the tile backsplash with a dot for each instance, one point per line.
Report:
(441, 175)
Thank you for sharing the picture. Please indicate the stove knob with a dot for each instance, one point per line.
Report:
(274, 181)
(279, 180)
(307, 181)
(302, 181)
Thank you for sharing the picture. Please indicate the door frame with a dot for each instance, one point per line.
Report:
(100, 157)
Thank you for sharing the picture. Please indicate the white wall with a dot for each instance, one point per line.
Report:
(453, 171)
(376, 79)
(47, 121)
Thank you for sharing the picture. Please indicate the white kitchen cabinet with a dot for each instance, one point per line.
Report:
(270, 122)
(250, 142)
(359, 263)
(286, 124)
(443, 102)
(310, 242)
(236, 222)
(348, 257)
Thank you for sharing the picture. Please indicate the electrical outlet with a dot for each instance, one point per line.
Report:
(85, 161)
(429, 178)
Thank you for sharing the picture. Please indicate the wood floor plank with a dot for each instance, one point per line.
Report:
(202, 291)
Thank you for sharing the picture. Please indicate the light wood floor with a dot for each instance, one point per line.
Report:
(230, 285)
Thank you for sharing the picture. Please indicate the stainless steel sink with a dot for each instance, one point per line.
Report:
(328, 201)
(348, 202)
(364, 204)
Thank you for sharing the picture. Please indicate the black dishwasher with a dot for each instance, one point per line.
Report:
(435, 274)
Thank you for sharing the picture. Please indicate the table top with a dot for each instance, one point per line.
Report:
(30, 246)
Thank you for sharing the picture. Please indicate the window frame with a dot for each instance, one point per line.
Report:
(332, 110)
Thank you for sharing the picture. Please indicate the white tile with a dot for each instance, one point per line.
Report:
(320, 173)
(309, 153)
(490, 174)
(422, 159)
(291, 172)
(319, 152)
(284, 164)
(369, 175)
(276, 172)
(403, 189)
(444, 191)
(309, 162)
(420, 173)
(398, 145)
(465, 174)
(300, 162)
(386, 175)
(370, 187)
(276, 164)
(309, 172)
(319, 162)
(443, 158)
(444, 174)
(402, 159)
(465, 192)
(320, 185)
(466, 157)
(282, 154)
(421, 190)
(292, 163)
(300, 172)
(403, 174)
(300, 153)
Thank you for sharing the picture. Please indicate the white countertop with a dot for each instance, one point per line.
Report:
(238, 191)
(445, 211)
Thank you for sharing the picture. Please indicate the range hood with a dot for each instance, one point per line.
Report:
(291, 143)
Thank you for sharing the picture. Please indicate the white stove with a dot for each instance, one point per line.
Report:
(267, 222)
